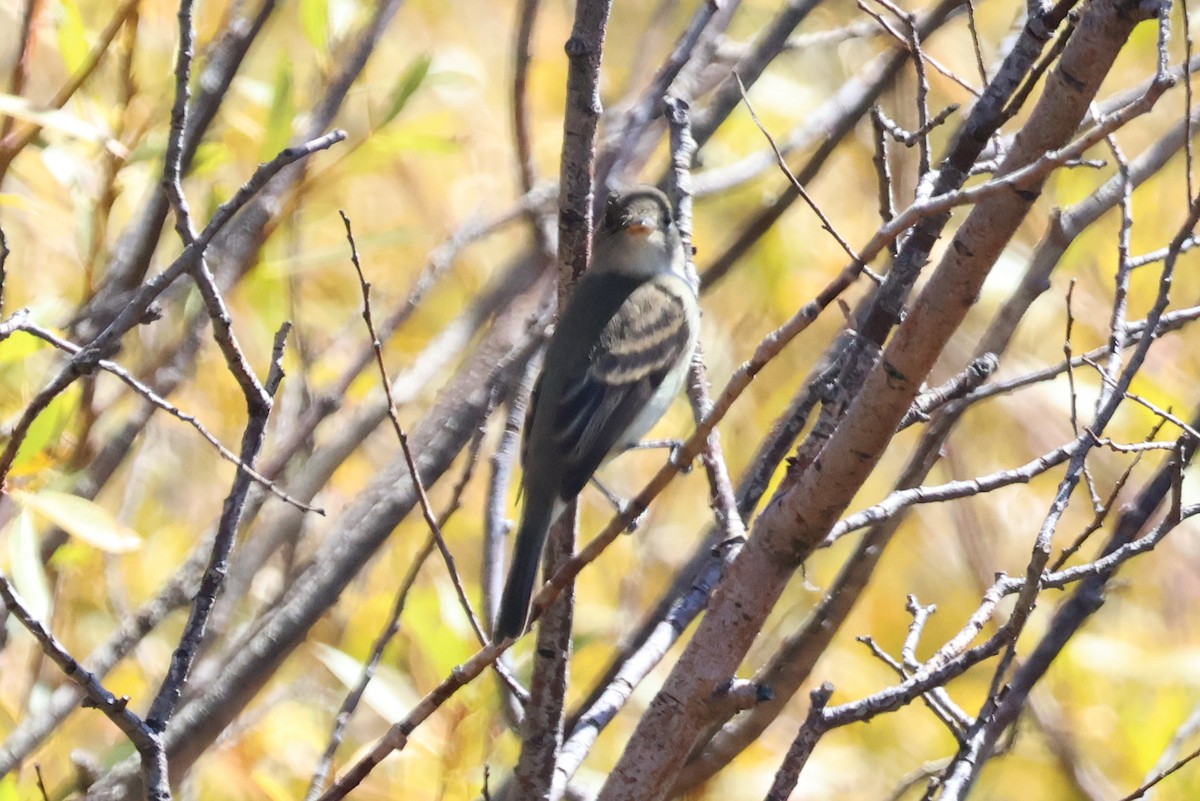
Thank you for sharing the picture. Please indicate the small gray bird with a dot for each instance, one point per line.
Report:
(614, 364)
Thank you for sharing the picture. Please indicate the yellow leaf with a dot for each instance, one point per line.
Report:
(72, 36)
(19, 348)
(81, 518)
(271, 787)
(9, 791)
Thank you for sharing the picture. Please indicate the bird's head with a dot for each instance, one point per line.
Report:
(637, 235)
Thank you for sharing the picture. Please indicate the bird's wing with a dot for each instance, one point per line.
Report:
(636, 350)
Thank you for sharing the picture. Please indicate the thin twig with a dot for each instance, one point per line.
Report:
(159, 402)
(14, 142)
(542, 731)
(918, 54)
(913, 41)
(883, 172)
(390, 629)
(169, 694)
(1141, 791)
(699, 389)
(783, 165)
(771, 346)
(802, 746)
(4, 251)
(636, 121)
(975, 45)
(422, 497)
(136, 308)
(115, 709)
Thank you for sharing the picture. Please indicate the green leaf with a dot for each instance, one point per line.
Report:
(410, 81)
(25, 564)
(279, 118)
(314, 19)
(81, 518)
(210, 156)
(46, 429)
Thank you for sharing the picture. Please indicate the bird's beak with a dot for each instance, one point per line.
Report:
(640, 226)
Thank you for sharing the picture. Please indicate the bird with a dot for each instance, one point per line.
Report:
(616, 360)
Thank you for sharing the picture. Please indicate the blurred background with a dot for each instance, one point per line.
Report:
(428, 176)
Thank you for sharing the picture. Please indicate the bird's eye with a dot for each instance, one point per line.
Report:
(612, 212)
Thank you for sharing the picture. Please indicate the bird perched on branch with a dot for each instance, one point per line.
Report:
(615, 362)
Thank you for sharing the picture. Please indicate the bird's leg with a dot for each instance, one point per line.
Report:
(673, 444)
(655, 443)
(618, 504)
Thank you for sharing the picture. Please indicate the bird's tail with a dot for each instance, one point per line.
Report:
(522, 575)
